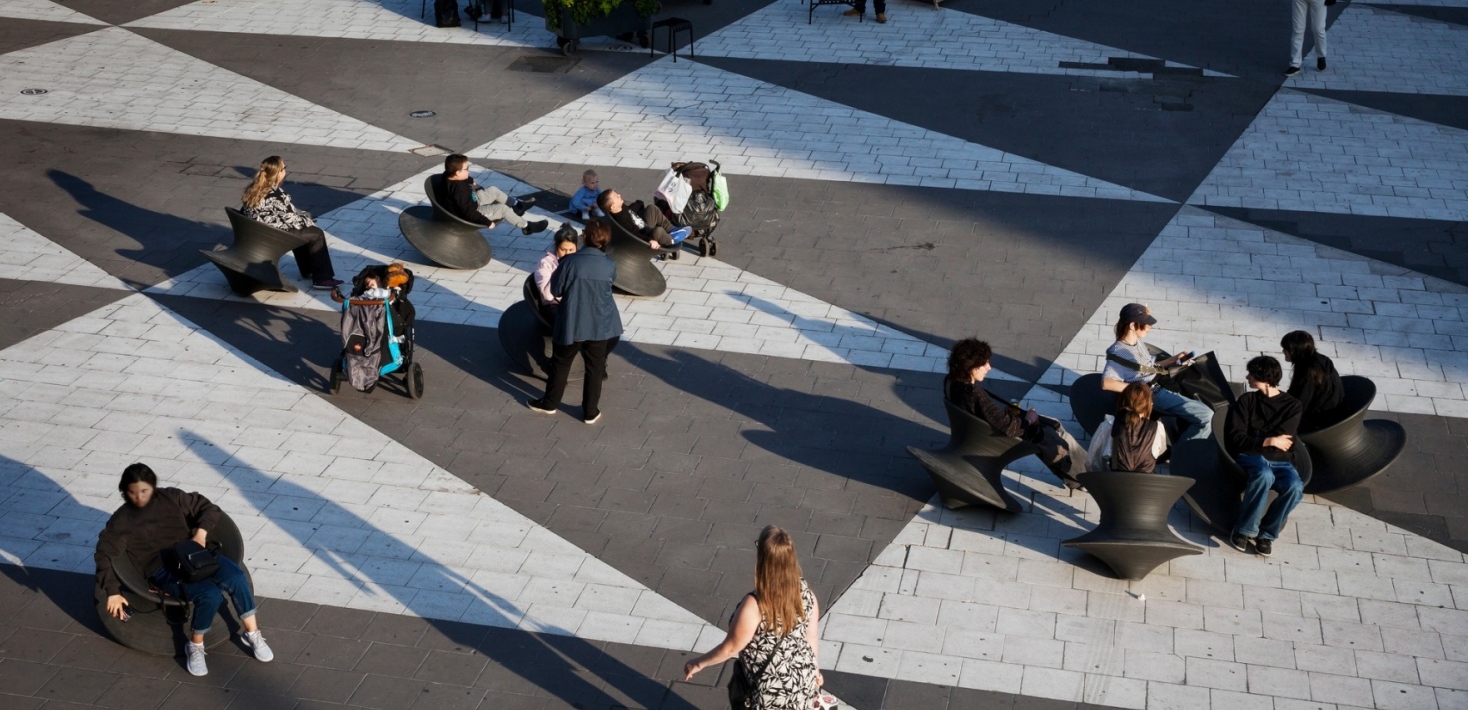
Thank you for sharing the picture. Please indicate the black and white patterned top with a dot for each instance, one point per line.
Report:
(790, 680)
(277, 211)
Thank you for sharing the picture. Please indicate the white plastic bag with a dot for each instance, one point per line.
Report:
(675, 190)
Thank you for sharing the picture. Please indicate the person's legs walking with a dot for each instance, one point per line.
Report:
(1317, 26)
(1298, 11)
(555, 385)
(594, 355)
(1256, 493)
(1197, 415)
(1287, 484)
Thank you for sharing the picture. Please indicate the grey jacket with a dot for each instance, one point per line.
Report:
(583, 282)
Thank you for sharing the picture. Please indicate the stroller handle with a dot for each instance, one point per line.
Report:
(336, 295)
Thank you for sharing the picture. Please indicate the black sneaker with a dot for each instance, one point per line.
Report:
(1265, 548)
(1320, 63)
(1238, 542)
(536, 405)
(1291, 71)
(523, 205)
(535, 227)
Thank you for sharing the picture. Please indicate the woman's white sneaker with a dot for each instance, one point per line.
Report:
(196, 664)
(256, 641)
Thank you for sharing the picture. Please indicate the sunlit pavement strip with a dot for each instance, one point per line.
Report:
(1233, 288)
(665, 111)
(1309, 153)
(1372, 49)
(333, 512)
(708, 305)
(395, 20)
(113, 78)
(26, 255)
(43, 10)
(913, 37)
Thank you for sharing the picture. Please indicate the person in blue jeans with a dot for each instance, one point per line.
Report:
(146, 528)
(1128, 361)
(1260, 433)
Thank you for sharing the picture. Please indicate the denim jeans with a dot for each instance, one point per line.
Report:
(208, 595)
(1197, 415)
(1264, 475)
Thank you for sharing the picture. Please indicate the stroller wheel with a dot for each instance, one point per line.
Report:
(713, 248)
(703, 247)
(415, 381)
(335, 384)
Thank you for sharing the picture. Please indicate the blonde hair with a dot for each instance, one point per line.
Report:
(272, 171)
(777, 582)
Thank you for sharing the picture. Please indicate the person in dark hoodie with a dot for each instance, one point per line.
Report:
(457, 193)
(1313, 381)
(1260, 433)
(146, 528)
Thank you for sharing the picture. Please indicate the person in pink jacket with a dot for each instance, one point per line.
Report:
(565, 245)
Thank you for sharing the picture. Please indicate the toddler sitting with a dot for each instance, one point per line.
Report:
(583, 203)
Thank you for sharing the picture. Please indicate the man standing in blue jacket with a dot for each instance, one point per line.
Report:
(588, 322)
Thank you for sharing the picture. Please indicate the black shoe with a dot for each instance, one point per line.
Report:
(1320, 63)
(1265, 548)
(1291, 71)
(535, 227)
(522, 205)
(1238, 542)
(673, 253)
(536, 405)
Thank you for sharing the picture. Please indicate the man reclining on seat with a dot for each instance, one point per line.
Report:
(465, 199)
(646, 221)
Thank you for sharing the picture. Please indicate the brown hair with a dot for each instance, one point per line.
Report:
(454, 163)
(1123, 327)
(777, 582)
(1134, 405)
(597, 234)
(272, 171)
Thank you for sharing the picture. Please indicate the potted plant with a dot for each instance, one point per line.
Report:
(573, 19)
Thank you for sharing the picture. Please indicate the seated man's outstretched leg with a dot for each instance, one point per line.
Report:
(659, 228)
(494, 205)
(1197, 415)
(232, 581)
(1060, 452)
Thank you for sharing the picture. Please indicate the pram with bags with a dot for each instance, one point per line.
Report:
(693, 195)
(377, 332)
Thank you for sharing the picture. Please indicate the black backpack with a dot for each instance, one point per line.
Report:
(445, 13)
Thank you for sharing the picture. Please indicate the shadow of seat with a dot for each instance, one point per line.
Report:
(1353, 450)
(969, 470)
(525, 334)
(445, 239)
(636, 274)
(159, 624)
(1133, 537)
(252, 263)
(1218, 486)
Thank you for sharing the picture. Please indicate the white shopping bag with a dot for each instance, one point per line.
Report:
(675, 190)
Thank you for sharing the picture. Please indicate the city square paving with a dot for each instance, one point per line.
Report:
(997, 168)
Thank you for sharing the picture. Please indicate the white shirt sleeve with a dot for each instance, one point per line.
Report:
(1159, 442)
(1100, 447)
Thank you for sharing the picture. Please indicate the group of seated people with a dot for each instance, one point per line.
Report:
(1260, 428)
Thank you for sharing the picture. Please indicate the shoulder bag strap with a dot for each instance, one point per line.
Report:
(1144, 369)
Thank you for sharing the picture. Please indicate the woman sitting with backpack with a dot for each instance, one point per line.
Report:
(1129, 441)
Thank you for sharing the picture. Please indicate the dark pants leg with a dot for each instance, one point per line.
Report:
(313, 259)
(1059, 451)
(879, 5)
(658, 225)
(594, 354)
(555, 386)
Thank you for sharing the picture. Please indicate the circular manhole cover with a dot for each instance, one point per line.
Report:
(32, 92)
(422, 114)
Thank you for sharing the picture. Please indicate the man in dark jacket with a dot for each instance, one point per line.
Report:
(1261, 436)
(588, 322)
(647, 222)
(463, 198)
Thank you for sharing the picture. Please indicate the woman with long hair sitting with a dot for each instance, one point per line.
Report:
(774, 632)
(265, 201)
(1313, 381)
(1129, 441)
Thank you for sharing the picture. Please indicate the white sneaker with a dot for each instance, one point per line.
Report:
(256, 642)
(196, 664)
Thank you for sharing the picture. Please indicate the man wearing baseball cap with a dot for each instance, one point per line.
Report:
(1128, 361)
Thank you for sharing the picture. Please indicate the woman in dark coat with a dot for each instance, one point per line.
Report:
(588, 322)
(1313, 381)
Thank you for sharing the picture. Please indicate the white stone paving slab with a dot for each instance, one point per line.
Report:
(28, 256)
(667, 111)
(912, 37)
(113, 78)
(394, 20)
(1374, 49)
(1309, 153)
(44, 10)
(708, 305)
(333, 511)
(1227, 286)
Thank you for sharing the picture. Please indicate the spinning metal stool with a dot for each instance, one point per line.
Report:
(1351, 451)
(252, 263)
(1133, 537)
(636, 274)
(445, 239)
(969, 470)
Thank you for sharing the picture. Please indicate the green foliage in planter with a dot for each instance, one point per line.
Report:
(584, 11)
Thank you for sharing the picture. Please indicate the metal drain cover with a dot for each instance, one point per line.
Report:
(32, 92)
(422, 114)
(544, 64)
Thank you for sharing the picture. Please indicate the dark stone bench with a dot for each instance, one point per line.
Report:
(1218, 480)
(969, 470)
(636, 275)
(252, 263)
(445, 239)
(1133, 537)
(1353, 450)
(159, 624)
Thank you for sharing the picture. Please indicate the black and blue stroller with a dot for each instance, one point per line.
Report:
(377, 331)
(703, 193)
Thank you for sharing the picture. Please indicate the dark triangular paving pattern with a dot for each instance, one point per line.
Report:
(1443, 110)
(141, 204)
(120, 12)
(1452, 15)
(471, 88)
(1161, 135)
(33, 307)
(1434, 247)
(17, 34)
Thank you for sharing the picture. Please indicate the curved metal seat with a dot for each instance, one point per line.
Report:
(252, 263)
(636, 274)
(1353, 450)
(445, 239)
(525, 335)
(1133, 537)
(969, 469)
(1218, 481)
(1090, 404)
(159, 624)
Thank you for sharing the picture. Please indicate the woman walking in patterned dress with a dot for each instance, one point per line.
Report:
(773, 632)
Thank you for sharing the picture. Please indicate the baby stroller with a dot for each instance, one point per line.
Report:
(377, 333)
(692, 195)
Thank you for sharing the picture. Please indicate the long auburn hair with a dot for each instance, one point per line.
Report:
(272, 171)
(777, 582)
(1299, 349)
(1134, 406)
